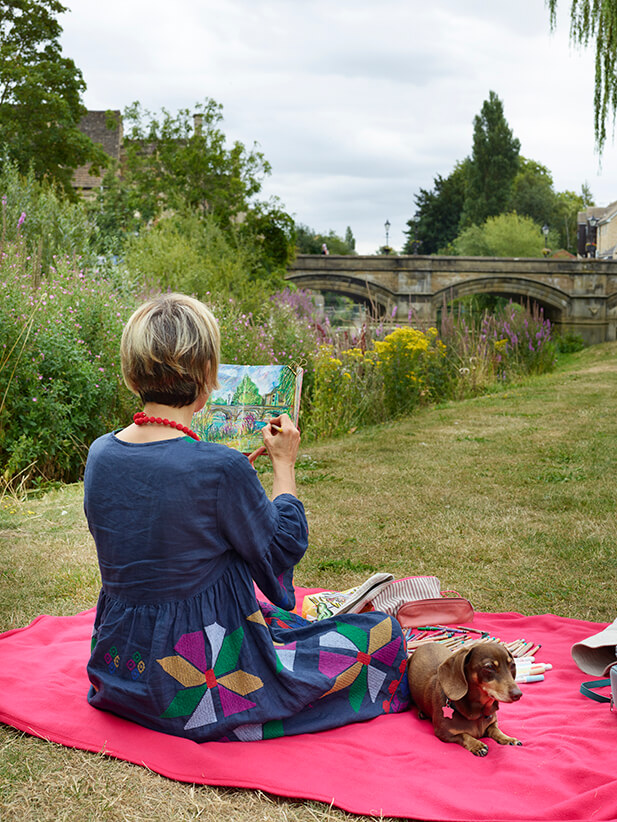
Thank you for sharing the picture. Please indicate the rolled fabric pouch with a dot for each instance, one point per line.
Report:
(596, 654)
(448, 609)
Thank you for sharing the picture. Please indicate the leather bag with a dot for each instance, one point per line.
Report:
(416, 601)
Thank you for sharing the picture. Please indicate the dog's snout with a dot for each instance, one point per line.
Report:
(515, 693)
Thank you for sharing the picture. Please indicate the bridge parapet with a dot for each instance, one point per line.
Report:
(577, 295)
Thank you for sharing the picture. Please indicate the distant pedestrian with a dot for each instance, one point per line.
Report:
(324, 249)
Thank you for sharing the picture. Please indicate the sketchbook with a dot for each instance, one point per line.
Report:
(330, 603)
(249, 396)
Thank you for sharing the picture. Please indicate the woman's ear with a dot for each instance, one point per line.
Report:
(201, 400)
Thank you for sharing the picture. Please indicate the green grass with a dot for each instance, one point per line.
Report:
(508, 498)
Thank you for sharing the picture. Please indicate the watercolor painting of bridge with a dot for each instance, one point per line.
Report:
(249, 396)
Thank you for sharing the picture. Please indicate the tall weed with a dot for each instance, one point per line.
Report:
(60, 383)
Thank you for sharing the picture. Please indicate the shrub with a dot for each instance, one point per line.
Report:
(346, 392)
(569, 342)
(193, 255)
(42, 219)
(60, 386)
(413, 368)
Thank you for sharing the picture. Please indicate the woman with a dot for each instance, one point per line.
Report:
(182, 529)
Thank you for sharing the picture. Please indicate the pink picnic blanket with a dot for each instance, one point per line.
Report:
(392, 765)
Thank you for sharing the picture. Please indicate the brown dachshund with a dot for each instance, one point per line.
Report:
(461, 691)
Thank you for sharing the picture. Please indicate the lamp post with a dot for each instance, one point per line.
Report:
(387, 227)
(545, 232)
(592, 235)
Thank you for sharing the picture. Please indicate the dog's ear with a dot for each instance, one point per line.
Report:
(451, 674)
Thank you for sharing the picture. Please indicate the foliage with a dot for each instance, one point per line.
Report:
(308, 241)
(45, 222)
(182, 161)
(194, 255)
(59, 373)
(499, 346)
(493, 164)
(179, 171)
(565, 216)
(589, 20)
(347, 392)
(413, 368)
(532, 192)
(569, 342)
(507, 235)
(438, 213)
(40, 95)
(284, 331)
(533, 196)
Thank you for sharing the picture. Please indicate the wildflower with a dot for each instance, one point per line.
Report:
(22, 217)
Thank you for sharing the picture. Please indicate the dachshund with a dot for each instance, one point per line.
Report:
(461, 691)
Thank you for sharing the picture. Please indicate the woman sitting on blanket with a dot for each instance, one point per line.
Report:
(182, 529)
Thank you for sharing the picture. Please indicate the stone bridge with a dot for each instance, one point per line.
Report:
(576, 295)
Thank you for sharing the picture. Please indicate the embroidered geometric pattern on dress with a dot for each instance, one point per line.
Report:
(353, 657)
(212, 683)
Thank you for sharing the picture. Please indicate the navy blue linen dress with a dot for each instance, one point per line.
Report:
(181, 643)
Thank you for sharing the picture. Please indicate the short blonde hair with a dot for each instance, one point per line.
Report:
(170, 350)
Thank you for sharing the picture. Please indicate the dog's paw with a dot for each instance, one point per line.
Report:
(481, 750)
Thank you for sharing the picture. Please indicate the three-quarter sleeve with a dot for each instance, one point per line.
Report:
(271, 536)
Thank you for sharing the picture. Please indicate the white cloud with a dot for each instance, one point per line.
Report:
(356, 104)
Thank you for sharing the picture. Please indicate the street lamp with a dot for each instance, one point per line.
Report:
(545, 232)
(592, 238)
(387, 227)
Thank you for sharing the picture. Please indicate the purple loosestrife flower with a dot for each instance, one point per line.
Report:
(22, 217)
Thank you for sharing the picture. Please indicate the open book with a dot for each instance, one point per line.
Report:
(249, 396)
(330, 603)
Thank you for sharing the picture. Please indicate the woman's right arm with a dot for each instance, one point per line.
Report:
(281, 441)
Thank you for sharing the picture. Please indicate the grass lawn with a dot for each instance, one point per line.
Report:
(507, 498)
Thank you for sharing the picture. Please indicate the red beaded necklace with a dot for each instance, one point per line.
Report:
(141, 418)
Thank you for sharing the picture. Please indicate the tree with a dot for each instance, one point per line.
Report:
(308, 241)
(493, 164)
(182, 161)
(532, 192)
(597, 19)
(565, 215)
(40, 95)
(247, 393)
(438, 214)
(506, 235)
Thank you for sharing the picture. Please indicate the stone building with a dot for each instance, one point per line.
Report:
(597, 232)
(105, 128)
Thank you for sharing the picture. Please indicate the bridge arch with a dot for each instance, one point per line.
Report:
(356, 288)
(554, 302)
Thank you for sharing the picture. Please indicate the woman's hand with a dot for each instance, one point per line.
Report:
(281, 441)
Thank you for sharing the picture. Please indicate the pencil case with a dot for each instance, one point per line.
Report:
(415, 601)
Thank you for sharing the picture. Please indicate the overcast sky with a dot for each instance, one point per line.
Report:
(356, 104)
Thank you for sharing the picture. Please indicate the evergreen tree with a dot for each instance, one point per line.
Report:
(438, 214)
(493, 164)
(350, 240)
